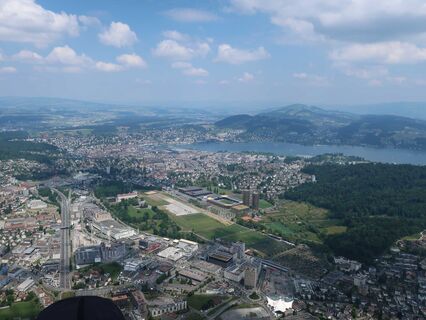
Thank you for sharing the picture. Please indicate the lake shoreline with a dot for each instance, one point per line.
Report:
(384, 155)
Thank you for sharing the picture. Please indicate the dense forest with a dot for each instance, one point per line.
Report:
(379, 203)
(13, 146)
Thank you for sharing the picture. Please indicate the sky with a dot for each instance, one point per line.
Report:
(215, 53)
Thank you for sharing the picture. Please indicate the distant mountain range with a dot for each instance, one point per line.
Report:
(416, 110)
(312, 125)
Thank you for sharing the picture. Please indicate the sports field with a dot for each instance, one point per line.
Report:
(210, 228)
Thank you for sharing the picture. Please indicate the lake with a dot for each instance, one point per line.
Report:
(387, 155)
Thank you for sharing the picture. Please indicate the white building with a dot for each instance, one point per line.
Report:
(26, 285)
(171, 253)
(37, 205)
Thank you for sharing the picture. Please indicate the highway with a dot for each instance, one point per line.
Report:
(64, 265)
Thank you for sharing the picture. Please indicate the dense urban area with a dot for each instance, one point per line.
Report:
(168, 232)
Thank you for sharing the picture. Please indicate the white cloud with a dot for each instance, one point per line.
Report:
(67, 56)
(131, 60)
(28, 56)
(174, 50)
(312, 79)
(231, 55)
(181, 65)
(7, 69)
(65, 59)
(343, 20)
(195, 72)
(108, 67)
(246, 77)
(384, 52)
(369, 72)
(375, 75)
(28, 22)
(191, 15)
(175, 35)
(189, 70)
(89, 21)
(118, 35)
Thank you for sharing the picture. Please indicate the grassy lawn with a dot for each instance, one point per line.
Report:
(139, 213)
(197, 301)
(154, 202)
(263, 204)
(199, 223)
(412, 237)
(194, 316)
(67, 294)
(210, 228)
(21, 310)
(335, 230)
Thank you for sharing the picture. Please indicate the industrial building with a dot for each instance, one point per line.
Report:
(193, 275)
(164, 305)
(101, 253)
(220, 258)
(234, 273)
(171, 253)
(113, 229)
(195, 191)
(87, 255)
(224, 202)
(26, 285)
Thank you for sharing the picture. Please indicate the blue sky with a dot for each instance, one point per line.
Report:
(215, 53)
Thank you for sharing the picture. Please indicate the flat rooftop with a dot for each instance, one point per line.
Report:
(221, 256)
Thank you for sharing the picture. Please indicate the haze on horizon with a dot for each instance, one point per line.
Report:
(235, 52)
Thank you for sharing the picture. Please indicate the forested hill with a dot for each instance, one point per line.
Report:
(311, 125)
(379, 203)
(13, 145)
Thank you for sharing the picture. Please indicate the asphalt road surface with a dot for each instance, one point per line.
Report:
(64, 265)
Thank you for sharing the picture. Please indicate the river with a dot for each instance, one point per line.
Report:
(386, 155)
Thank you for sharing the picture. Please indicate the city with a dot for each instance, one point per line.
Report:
(212, 160)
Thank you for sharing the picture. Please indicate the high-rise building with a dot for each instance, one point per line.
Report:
(247, 198)
(255, 200)
(250, 277)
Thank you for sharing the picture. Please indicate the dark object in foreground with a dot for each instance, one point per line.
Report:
(82, 308)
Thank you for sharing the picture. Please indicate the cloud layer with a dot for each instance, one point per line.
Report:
(118, 35)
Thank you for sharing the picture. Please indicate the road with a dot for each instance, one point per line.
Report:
(64, 265)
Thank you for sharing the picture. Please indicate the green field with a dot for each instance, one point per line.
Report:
(301, 222)
(199, 223)
(197, 301)
(263, 204)
(21, 310)
(154, 202)
(138, 213)
(210, 228)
